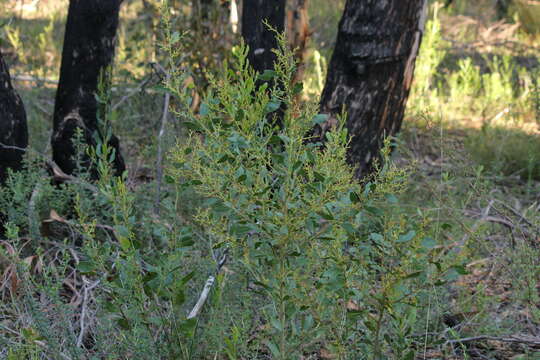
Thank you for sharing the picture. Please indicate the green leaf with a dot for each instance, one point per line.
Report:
(353, 196)
(124, 323)
(274, 140)
(325, 215)
(274, 349)
(460, 269)
(297, 88)
(318, 176)
(179, 297)
(86, 266)
(319, 119)
(192, 125)
(376, 237)
(267, 75)
(125, 243)
(349, 228)
(239, 115)
(429, 243)
(188, 327)
(186, 241)
(187, 278)
(276, 324)
(307, 322)
(406, 237)
(204, 109)
(175, 37)
(240, 229)
(410, 355)
(272, 106)
(413, 275)
(169, 179)
(297, 165)
(121, 230)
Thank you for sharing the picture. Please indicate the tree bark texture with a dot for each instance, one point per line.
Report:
(88, 52)
(371, 71)
(13, 128)
(257, 36)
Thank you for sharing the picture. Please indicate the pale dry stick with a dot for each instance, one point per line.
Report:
(207, 287)
(532, 341)
(518, 214)
(132, 92)
(159, 160)
(484, 216)
(87, 288)
(501, 114)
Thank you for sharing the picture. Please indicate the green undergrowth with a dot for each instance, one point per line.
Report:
(306, 260)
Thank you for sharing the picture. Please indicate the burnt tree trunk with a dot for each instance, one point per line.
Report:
(371, 71)
(87, 54)
(13, 129)
(257, 36)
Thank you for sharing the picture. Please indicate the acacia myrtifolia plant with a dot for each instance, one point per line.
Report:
(337, 273)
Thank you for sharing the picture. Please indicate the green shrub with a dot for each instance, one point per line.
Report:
(335, 267)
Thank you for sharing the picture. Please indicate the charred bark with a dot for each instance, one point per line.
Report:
(87, 54)
(257, 36)
(371, 71)
(13, 128)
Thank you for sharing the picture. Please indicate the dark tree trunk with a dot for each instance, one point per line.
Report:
(502, 8)
(13, 129)
(260, 40)
(87, 54)
(371, 71)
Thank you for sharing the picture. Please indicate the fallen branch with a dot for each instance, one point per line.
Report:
(87, 288)
(532, 341)
(207, 287)
(132, 92)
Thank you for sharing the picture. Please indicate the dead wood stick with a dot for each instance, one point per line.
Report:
(207, 287)
(87, 288)
(159, 160)
(132, 92)
(485, 214)
(518, 214)
(532, 341)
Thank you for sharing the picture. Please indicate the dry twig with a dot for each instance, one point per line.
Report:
(87, 288)
(159, 161)
(529, 340)
(207, 287)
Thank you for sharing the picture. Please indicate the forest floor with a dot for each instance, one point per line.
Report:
(471, 140)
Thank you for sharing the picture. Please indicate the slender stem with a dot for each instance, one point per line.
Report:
(377, 342)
